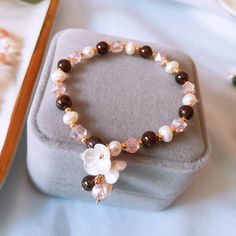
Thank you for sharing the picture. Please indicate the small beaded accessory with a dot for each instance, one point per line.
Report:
(8, 47)
(97, 158)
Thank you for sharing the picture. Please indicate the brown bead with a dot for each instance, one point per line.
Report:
(88, 182)
(181, 77)
(63, 102)
(102, 48)
(92, 141)
(145, 51)
(149, 138)
(186, 112)
(64, 65)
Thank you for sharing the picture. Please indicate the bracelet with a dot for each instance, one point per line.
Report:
(97, 158)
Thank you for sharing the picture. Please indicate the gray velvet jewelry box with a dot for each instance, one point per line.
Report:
(117, 97)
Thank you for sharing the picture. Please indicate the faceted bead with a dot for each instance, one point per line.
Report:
(186, 112)
(92, 141)
(160, 59)
(101, 191)
(181, 77)
(70, 117)
(145, 51)
(88, 182)
(188, 87)
(115, 148)
(63, 102)
(75, 57)
(64, 65)
(172, 67)
(179, 125)
(78, 132)
(149, 138)
(58, 88)
(116, 46)
(102, 48)
(132, 145)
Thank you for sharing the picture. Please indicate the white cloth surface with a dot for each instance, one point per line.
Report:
(208, 207)
(14, 15)
(218, 6)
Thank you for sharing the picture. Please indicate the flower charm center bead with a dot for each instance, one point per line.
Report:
(104, 171)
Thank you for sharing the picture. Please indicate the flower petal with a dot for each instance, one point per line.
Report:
(112, 176)
(103, 166)
(118, 165)
(90, 155)
(102, 149)
(91, 169)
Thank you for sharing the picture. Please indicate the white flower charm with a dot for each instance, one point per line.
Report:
(97, 160)
(113, 174)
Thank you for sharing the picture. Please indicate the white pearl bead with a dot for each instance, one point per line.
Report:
(70, 117)
(166, 133)
(58, 76)
(88, 52)
(172, 67)
(130, 48)
(189, 99)
(115, 148)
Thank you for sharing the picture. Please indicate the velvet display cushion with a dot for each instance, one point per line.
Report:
(117, 97)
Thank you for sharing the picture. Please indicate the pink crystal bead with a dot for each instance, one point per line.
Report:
(116, 46)
(75, 57)
(179, 125)
(58, 88)
(3, 58)
(3, 33)
(101, 191)
(160, 59)
(188, 87)
(132, 145)
(78, 132)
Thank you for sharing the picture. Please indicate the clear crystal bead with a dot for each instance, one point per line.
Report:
(132, 145)
(58, 88)
(78, 132)
(160, 59)
(188, 87)
(179, 125)
(101, 191)
(75, 57)
(116, 46)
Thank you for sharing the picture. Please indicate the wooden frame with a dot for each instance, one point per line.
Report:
(23, 99)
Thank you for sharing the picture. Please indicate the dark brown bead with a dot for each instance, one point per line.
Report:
(64, 65)
(186, 112)
(149, 138)
(88, 182)
(181, 77)
(102, 48)
(63, 102)
(92, 141)
(145, 51)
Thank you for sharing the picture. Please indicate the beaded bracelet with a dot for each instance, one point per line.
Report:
(97, 158)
